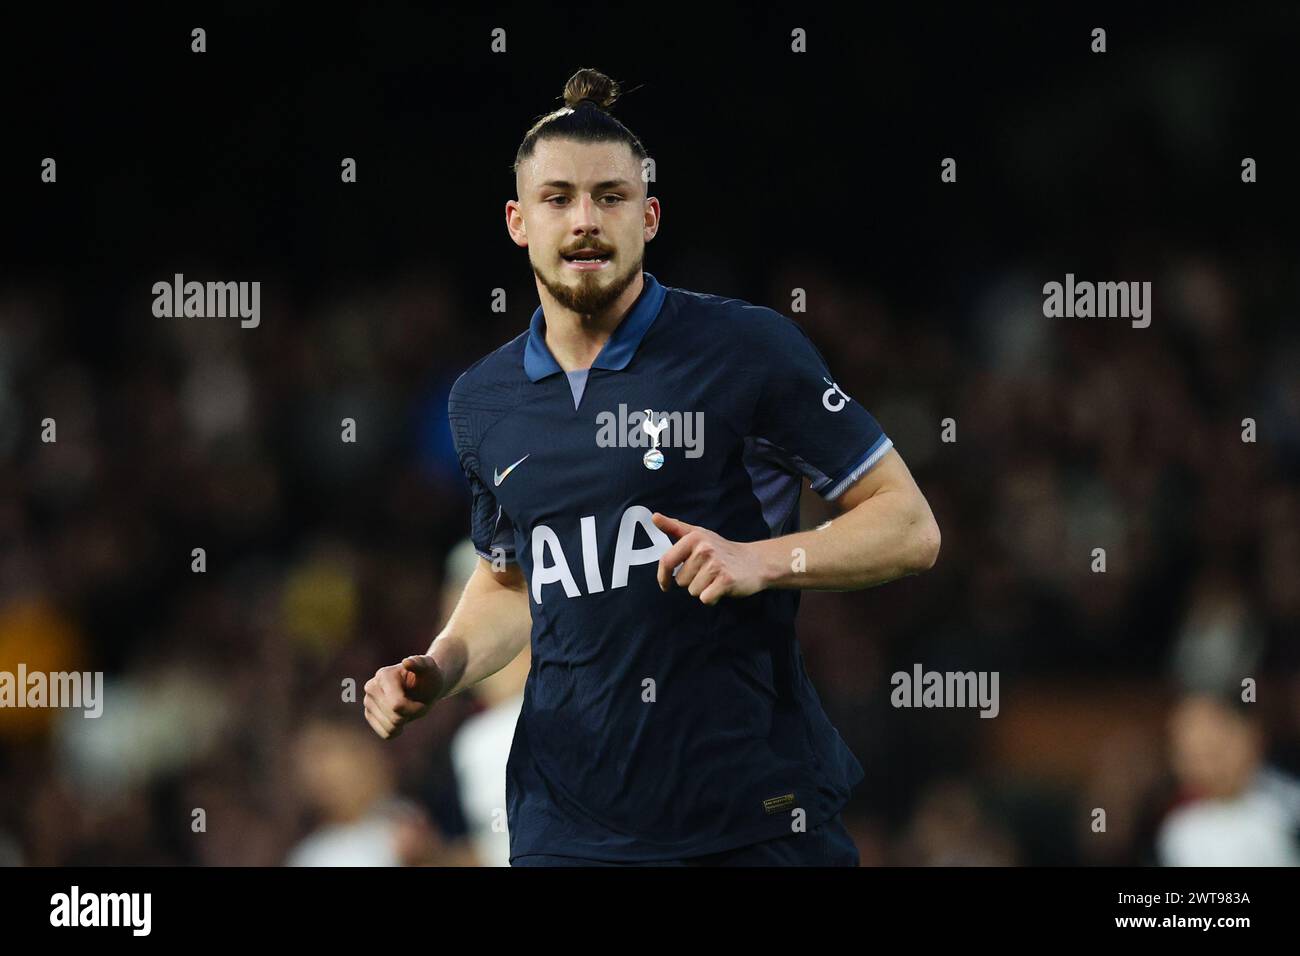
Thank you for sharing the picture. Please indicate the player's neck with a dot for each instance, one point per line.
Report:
(576, 339)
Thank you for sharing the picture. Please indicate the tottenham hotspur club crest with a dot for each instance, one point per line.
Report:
(654, 458)
(621, 428)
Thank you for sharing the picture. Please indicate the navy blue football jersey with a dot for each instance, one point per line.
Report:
(654, 726)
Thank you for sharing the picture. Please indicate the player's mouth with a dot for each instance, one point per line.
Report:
(587, 260)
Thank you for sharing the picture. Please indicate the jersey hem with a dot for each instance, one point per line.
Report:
(718, 845)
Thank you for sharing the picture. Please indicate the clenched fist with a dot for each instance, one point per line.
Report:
(400, 693)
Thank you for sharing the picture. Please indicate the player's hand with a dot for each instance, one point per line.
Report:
(711, 566)
(401, 693)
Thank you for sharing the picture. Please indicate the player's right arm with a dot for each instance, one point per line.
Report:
(488, 629)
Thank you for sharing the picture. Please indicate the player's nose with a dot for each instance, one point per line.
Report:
(585, 217)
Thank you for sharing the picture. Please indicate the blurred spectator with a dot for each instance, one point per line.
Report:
(1236, 811)
(349, 788)
(951, 828)
(482, 744)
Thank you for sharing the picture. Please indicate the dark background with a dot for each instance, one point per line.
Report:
(775, 171)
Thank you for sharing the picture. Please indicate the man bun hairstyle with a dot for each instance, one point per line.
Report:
(592, 87)
(585, 116)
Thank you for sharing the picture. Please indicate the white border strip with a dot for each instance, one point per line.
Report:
(882, 445)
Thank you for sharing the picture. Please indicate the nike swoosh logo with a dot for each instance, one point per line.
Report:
(500, 476)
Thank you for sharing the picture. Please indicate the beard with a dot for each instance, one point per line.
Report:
(590, 295)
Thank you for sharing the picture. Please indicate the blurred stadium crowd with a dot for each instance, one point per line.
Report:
(225, 690)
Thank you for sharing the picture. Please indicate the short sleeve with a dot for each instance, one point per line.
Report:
(490, 528)
(470, 415)
(803, 415)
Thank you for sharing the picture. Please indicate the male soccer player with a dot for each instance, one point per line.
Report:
(635, 460)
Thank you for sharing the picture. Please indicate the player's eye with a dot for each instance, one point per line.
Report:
(560, 200)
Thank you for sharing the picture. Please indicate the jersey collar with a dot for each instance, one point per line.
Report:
(622, 344)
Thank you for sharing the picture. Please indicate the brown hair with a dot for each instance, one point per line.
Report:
(588, 96)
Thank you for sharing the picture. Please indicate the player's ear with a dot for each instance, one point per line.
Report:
(515, 223)
(652, 215)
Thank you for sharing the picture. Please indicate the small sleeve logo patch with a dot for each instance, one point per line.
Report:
(777, 804)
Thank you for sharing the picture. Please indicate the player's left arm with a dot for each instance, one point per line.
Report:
(886, 531)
